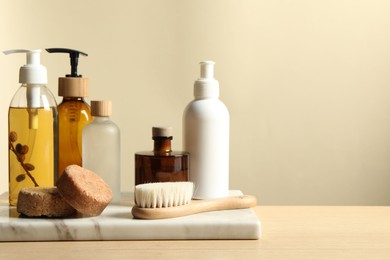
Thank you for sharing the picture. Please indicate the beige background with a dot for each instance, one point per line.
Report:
(307, 83)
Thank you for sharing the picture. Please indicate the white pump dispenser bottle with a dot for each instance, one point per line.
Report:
(206, 137)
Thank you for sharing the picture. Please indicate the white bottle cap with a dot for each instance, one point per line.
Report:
(32, 72)
(206, 86)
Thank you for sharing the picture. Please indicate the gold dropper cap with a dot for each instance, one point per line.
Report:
(101, 107)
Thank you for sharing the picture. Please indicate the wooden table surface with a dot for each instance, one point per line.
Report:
(289, 232)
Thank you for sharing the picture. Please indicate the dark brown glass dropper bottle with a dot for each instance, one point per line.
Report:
(162, 164)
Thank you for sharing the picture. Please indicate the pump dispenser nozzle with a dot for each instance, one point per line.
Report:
(73, 85)
(207, 69)
(74, 59)
(32, 72)
(32, 75)
(206, 86)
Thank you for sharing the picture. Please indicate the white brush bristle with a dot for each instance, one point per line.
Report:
(163, 194)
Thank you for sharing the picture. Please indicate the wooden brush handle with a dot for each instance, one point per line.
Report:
(195, 206)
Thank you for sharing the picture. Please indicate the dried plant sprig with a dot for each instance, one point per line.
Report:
(20, 151)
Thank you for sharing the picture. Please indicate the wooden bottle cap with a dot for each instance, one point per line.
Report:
(73, 87)
(162, 131)
(101, 107)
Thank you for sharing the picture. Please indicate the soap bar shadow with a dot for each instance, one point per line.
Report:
(13, 213)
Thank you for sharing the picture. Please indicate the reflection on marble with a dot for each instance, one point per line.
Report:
(117, 223)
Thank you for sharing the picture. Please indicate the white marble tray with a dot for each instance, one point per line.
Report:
(117, 223)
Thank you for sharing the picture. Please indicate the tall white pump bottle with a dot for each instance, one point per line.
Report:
(206, 137)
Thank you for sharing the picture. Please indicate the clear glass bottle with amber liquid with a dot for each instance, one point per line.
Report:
(73, 112)
(32, 128)
(162, 164)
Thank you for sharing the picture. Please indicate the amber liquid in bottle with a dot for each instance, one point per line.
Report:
(162, 164)
(32, 153)
(73, 114)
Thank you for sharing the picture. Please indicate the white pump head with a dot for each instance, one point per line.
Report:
(207, 69)
(206, 86)
(32, 72)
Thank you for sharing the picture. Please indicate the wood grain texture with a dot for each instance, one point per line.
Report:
(195, 206)
(301, 232)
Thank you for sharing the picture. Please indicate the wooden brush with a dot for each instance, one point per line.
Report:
(173, 199)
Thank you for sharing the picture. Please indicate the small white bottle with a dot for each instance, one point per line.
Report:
(206, 137)
(101, 146)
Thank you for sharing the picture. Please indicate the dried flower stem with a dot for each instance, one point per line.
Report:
(12, 148)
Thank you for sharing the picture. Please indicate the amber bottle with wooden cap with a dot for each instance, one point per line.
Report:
(73, 112)
(162, 164)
